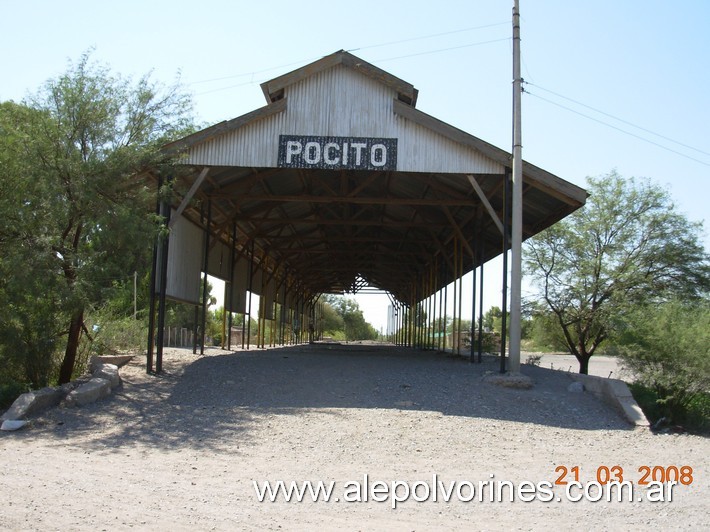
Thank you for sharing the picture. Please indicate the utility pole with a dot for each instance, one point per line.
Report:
(135, 295)
(517, 219)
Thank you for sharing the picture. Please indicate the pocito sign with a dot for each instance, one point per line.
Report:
(335, 153)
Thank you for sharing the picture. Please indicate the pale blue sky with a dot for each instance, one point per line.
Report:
(645, 62)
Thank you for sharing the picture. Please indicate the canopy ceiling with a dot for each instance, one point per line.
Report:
(286, 177)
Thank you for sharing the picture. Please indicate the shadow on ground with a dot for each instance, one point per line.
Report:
(215, 398)
(337, 376)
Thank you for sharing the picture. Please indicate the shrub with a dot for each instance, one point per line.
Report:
(667, 348)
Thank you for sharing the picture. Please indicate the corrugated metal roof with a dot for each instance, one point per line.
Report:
(330, 226)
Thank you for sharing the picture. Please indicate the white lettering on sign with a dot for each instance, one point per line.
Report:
(312, 155)
(358, 152)
(354, 153)
(331, 147)
(293, 147)
(378, 155)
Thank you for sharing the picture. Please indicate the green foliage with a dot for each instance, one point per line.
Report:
(9, 391)
(113, 333)
(667, 347)
(333, 323)
(493, 319)
(354, 325)
(627, 246)
(545, 333)
(72, 207)
(694, 417)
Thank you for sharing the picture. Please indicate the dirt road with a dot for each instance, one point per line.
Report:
(182, 451)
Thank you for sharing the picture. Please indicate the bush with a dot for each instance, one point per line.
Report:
(112, 334)
(667, 348)
(10, 391)
(694, 417)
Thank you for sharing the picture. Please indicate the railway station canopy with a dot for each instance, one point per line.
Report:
(340, 182)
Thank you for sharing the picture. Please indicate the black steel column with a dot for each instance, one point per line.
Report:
(196, 329)
(231, 284)
(206, 266)
(480, 309)
(251, 282)
(284, 312)
(472, 358)
(165, 208)
(153, 276)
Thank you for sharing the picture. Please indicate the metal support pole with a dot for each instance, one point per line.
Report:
(430, 312)
(458, 338)
(196, 329)
(251, 286)
(153, 280)
(454, 328)
(441, 315)
(434, 284)
(204, 278)
(480, 310)
(232, 260)
(517, 223)
(163, 285)
(504, 304)
(283, 313)
(472, 358)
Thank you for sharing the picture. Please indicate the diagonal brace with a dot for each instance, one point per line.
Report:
(486, 203)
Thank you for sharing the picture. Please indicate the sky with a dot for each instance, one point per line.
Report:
(611, 84)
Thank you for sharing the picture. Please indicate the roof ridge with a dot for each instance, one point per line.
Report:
(274, 89)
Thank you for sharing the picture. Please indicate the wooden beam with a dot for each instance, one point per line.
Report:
(323, 221)
(306, 198)
(456, 227)
(486, 203)
(188, 197)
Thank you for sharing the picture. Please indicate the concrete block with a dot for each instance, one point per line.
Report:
(33, 402)
(13, 424)
(615, 393)
(89, 392)
(108, 372)
(116, 360)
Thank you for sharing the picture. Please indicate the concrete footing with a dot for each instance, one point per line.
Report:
(615, 393)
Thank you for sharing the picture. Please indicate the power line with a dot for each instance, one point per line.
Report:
(245, 74)
(252, 81)
(390, 43)
(618, 119)
(618, 128)
(429, 36)
(443, 49)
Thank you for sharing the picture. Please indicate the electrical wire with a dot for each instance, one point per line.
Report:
(390, 43)
(429, 36)
(252, 81)
(617, 128)
(617, 118)
(443, 49)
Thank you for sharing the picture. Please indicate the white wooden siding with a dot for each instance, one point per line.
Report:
(184, 261)
(341, 102)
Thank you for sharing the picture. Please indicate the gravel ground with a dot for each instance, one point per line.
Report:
(181, 451)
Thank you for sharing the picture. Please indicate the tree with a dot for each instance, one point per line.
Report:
(354, 324)
(627, 246)
(493, 319)
(332, 321)
(27, 328)
(84, 137)
(667, 347)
